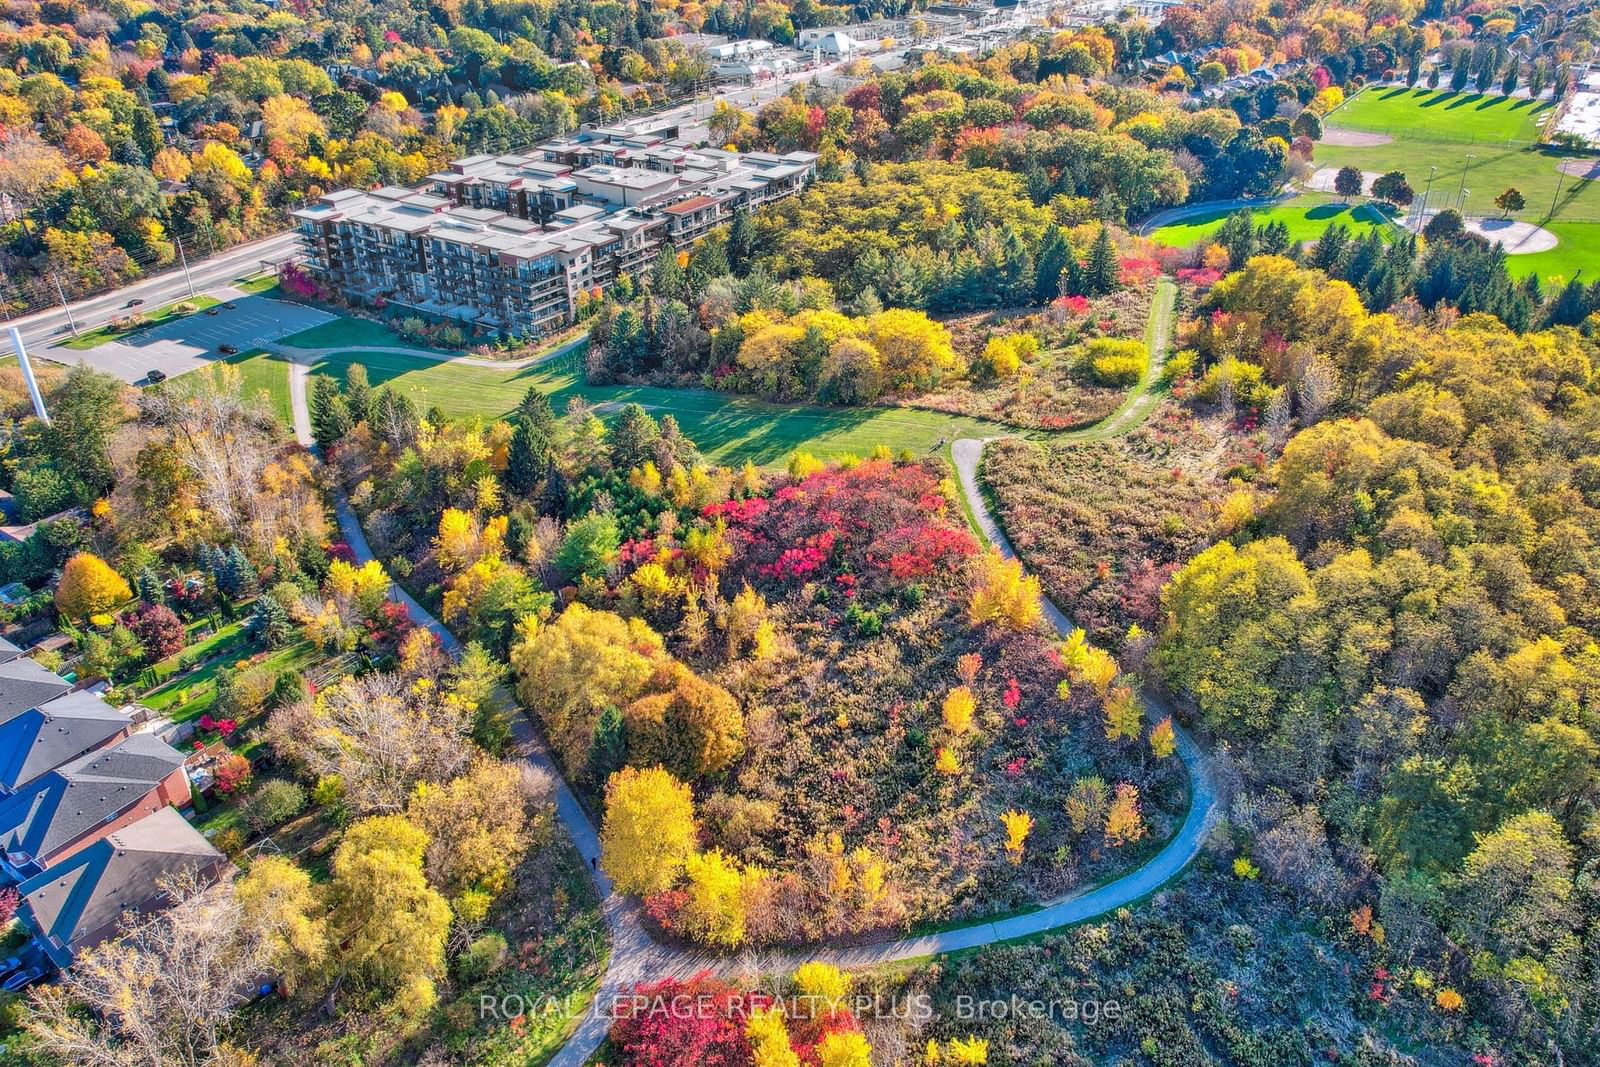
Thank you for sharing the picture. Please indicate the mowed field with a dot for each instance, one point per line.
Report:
(1476, 146)
(1306, 216)
(728, 429)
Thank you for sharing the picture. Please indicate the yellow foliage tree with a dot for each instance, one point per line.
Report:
(769, 1039)
(1124, 823)
(1163, 738)
(649, 830)
(280, 905)
(1003, 595)
(88, 586)
(844, 1048)
(824, 983)
(1124, 714)
(968, 1051)
(947, 762)
(714, 911)
(1018, 825)
(803, 465)
(959, 707)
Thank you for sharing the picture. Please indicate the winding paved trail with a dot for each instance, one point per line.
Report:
(636, 957)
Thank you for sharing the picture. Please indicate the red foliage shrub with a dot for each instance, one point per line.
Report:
(9, 899)
(877, 518)
(699, 1023)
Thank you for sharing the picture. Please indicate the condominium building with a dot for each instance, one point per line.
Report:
(507, 243)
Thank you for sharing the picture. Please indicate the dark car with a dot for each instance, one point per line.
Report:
(10, 964)
(135, 302)
(23, 978)
(230, 306)
(228, 350)
(211, 311)
(156, 377)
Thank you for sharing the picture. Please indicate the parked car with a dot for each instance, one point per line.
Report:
(156, 377)
(23, 979)
(135, 302)
(228, 350)
(9, 964)
(211, 311)
(230, 306)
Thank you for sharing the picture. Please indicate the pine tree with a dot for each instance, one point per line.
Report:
(628, 342)
(357, 393)
(741, 242)
(667, 279)
(147, 583)
(530, 453)
(270, 623)
(1054, 255)
(330, 416)
(633, 437)
(1101, 273)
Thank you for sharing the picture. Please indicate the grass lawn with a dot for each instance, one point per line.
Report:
(727, 428)
(1306, 216)
(1476, 147)
(349, 333)
(1579, 249)
(262, 371)
(192, 695)
(100, 335)
(265, 285)
(1441, 115)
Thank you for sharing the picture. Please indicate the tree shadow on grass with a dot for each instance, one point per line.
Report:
(1327, 211)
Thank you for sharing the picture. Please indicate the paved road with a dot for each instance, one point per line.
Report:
(207, 274)
(635, 957)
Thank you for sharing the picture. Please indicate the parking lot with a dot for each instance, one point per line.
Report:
(192, 341)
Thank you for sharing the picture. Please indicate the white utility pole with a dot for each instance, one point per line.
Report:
(27, 376)
(185, 261)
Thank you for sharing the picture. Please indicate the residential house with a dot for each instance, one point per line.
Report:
(38, 739)
(68, 809)
(79, 902)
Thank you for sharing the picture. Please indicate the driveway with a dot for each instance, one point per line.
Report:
(190, 342)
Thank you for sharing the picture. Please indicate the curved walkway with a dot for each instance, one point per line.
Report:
(636, 957)
(1184, 211)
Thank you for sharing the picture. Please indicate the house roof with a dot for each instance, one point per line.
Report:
(43, 738)
(24, 684)
(89, 890)
(8, 651)
(57, 807)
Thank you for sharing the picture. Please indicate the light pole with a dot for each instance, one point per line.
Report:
(1560, 175)
(1423, 212)
(1462, 190)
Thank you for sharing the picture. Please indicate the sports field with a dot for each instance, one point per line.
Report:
(1306, 217)
(1439, 114)
(1475, 146)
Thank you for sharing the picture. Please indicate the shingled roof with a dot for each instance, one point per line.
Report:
(42, 738)
(60, 806)
(75, 904)
(24, 684)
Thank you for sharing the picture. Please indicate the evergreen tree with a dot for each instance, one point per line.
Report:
(553, 497)
(357, 393)
(330, 417)
(147, 583)
(270, 624)
(629, 342)
(667, 279)
(535, 407)
(528, 457)
(1101, 273)
(1054, 255)
(633, 438)
(741, 242)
